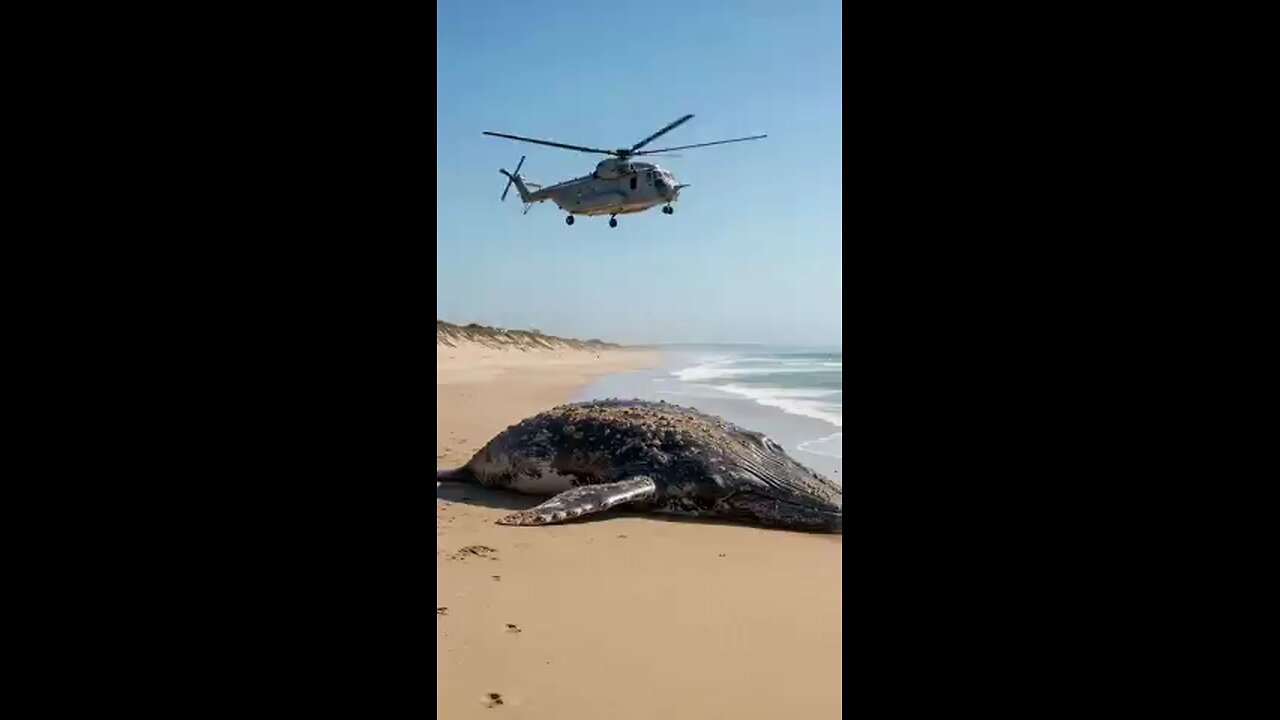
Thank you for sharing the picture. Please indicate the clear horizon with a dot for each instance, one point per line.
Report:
(753, 252)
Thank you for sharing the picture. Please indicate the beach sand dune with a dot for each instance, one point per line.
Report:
(621, 615)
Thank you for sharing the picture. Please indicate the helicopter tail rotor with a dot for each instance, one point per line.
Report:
(515, 179)
(511, 177)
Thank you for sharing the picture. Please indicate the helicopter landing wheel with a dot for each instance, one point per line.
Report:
(613, 222)
(667, 210)
(568, 220)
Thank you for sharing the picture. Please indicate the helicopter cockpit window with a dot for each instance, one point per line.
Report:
(633, 182)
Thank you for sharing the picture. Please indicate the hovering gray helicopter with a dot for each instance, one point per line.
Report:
(617, 186)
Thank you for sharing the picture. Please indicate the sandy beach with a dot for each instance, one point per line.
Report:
(625, 615)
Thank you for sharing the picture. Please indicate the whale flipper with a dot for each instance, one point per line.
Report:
(584, 500)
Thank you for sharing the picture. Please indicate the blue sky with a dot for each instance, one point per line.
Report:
(753, 251)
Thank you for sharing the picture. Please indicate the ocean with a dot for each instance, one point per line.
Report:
(795, 396)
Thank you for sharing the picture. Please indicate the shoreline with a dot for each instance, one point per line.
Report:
(804, 437)
(623, 615)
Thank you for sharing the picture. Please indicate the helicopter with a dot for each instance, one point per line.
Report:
(617, 186)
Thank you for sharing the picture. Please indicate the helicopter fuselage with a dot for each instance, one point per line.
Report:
(614, 188)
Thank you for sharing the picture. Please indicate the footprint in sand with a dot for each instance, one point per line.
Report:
(496, 577)
(442, 610)
(476, 550)
(493, 699)
(513, 628)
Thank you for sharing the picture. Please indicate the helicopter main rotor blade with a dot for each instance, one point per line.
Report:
(664, 130)
(686, 147)
(552, 144)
